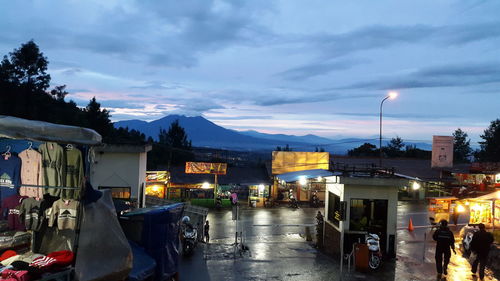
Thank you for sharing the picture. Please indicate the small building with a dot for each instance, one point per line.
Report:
(243, 180)
(122, 169)
(354, 205)
(302, 184)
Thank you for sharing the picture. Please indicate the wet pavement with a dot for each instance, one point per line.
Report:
(278, 250)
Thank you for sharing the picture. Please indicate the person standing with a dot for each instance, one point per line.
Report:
(206, 229)
(480, 244)
(445, 241)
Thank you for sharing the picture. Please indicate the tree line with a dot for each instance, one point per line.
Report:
(489, 150)
(25, 92)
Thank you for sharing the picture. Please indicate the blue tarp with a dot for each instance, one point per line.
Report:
(160, 237)
(144, 265)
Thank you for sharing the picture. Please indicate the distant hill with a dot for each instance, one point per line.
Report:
(204, 133)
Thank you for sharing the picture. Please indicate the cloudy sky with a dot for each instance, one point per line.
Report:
(294, 67)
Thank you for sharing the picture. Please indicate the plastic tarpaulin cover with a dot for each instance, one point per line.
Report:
(18, 128)
(160, 238)
(144, 265)
(103, 251)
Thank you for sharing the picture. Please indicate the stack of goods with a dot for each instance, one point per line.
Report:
(29, 266)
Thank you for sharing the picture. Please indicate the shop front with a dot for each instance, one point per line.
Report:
(46, 230)
(302, 184)
(484, 209)
(258, 194)
(156, 184)
(440, 208)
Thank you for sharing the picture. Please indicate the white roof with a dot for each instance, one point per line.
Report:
(489, 196)
(308, 174)
(18, 128)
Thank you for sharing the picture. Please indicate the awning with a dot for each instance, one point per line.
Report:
(18, 128)
(308, 174)
(489, 196)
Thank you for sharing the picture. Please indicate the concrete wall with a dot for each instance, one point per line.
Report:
(116, 169)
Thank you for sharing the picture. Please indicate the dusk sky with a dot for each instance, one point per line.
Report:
(293, 67)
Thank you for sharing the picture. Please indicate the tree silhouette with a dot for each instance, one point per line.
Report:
(461, 146)
(97, 118)
(490, 146)
(395, 147)
(27, 67)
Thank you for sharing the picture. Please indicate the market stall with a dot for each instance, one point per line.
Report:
(52, 223)
(484, 209)
(440, 208)
(156, 184)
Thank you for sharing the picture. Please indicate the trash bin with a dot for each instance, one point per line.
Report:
(361, 255)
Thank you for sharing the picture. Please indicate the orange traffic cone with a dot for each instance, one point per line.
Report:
(410, 225)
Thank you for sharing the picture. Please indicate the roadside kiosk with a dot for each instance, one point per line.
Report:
(356, 205)
(440, 208)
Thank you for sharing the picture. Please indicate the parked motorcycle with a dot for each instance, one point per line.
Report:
(189, 237)
(375, 258)
(467, 233)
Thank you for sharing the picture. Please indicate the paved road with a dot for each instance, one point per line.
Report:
(278, 250)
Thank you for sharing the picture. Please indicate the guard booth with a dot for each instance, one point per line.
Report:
(355, 205)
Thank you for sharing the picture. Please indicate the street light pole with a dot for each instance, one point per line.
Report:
(391, 95)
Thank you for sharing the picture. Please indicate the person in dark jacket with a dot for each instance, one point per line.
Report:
(445, 241)
(206, 230)
(480, 244)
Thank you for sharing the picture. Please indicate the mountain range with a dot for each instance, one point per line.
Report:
(204, 133)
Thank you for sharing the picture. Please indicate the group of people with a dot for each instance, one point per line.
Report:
(480, 246)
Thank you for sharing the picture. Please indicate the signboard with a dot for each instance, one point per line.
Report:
(442, 152)
(157, 176)
(292, 161)
(206, 168)
(486, 167)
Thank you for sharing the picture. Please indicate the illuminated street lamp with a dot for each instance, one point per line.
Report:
(302, 180)
(391, 95)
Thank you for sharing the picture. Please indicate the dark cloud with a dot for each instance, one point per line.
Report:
(71, 71)
(121, 104)
(452, 75)
(156, 85)
(242, 117)
(293, 98)
(412, 116)
(380, 36)
(316, 69)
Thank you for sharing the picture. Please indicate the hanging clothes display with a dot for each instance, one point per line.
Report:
(31, 173)
(74, 173)
(10, 170)
(64, 212)
(53, 167)
(10, 211)
(32, 213)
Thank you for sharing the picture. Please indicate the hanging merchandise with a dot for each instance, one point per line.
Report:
(53, 167)
(31, 213)
(31, 173)
(63, 211)
(10, 211)
(74, 172)
(10, 168)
